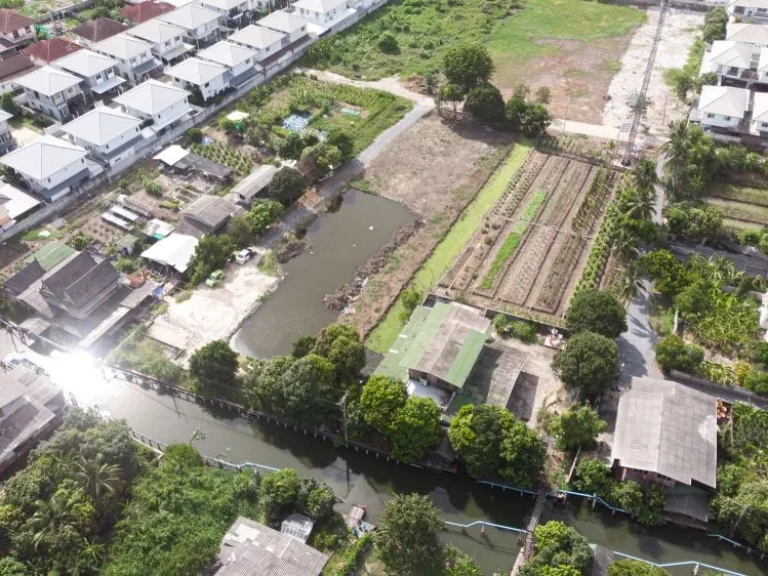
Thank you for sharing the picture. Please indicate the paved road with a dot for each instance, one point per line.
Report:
(636, 345)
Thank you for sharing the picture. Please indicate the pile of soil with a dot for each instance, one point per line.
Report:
(346, 293)
(289, 249)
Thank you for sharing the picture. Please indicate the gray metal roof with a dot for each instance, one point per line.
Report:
(667, 428)
(79, 278)
(206, 214)
(251, 548)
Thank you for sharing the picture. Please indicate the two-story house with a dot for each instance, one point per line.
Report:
(14, 205)
(166, 39)
(754, 34)
(240, 61)
(99, 72)
(759, 124)
(294, 27)
(236, 13)
(49, 166)
(749, 10)
(265, 42)
(157, 104)
(194, 73)
(6, 140)
(108, 134)
(97, 30)
(13, 67)
(52, 92)
(136, 61)
(143, 11)
(735, 61)
(201, 25)
(323, 12)
(44, 52)
(722, 108)
(16, 30)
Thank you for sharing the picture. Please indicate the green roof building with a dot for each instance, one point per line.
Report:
(437, 350)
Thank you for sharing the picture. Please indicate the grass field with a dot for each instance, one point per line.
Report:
(381, 339)
(514, 35)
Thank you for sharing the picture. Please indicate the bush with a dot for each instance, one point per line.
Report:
(388, 43)
(674, 354)
(287, 186)
(153, 188)
(598, 312)
(194, 135)
(589, 362)
(485, 103)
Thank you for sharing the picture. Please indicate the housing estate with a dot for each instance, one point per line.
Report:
(293, 26)
(44, 52)
(14, 204)
(13, 67)
(92, 32)
(239, 60)
(252, 548)
(166, 39)
(109, 135)
(135, 59)
(16, 30)
(749, 10)
(49, 166)
(201, 25)
(99, 73)
(666, 434)
(53, 92)
(31, 405)
(210, 78)
(236, 13)
(158, 104)
(263, 41)
(323, 12)
(723, 108)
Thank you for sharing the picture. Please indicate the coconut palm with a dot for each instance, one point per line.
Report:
(631, 283)
(677, 151)
(645, 174)
(642, 203)
(49, 516)
(99, 479)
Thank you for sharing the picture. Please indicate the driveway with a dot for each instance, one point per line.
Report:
(637, 344)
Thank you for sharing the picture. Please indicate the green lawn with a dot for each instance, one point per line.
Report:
(381, 339)
(426, 30)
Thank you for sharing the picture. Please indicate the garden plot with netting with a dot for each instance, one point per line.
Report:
(529, 251)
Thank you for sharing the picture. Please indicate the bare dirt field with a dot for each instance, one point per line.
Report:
(526, 256)
(677, 37)
(435, 169)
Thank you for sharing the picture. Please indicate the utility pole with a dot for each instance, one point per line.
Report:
(343, 403)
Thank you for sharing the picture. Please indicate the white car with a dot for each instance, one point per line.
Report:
(244, 255)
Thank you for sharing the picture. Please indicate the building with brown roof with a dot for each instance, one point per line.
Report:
(16, 30)
(139, 13)
(91, 32)
(46, 51)
(13, 67)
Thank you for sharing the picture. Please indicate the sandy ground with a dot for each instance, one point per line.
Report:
(24, 135)
(678, 34)
(213, 313)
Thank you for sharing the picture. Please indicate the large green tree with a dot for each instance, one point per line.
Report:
(476, 433)
(577, 426)
(416, 429)
(523, 455)
(311, 392)
(560, 549)
(485, 103)
(340, 343)
(406, 537)
(598, 312)
(214, 368)
(593, 477)
(287, 186)
(629, 567)
(380, 401)
(210, 254)
(589, 363)
(467, 65)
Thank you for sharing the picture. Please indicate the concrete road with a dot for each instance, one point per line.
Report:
(637, 344)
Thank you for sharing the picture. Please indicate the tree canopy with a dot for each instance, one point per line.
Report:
(629, 567)
(467, 65)
(210, 254)
(416, 429)
(561, 548)
(593, 477)
(598, 312)
(287, 186)
(577, 426)
(214, 367)
(589, 362)
(382, 398)
(485, 103)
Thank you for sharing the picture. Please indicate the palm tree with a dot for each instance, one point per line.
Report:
(723, 271)
(92, 553)
(642, 203)
(645, 174)
(631, 283)
(625, 244)
(49, 516)
(677, 151)
(99, 479)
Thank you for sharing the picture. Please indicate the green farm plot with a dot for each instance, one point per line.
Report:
(725, 191)
(733, 210)
(381, 339)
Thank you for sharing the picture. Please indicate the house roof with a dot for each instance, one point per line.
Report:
(224, 5)
(144, 11)
(79, 278)
(255, 182)
(11, 21)
(16, 202)
(43, 157)
(24, 278)
(123, 46)
(175, 250)
(252, 548)
(667, 428)
(43, 260)
(51, 255)
(283, 22)
(151, 97)
(190, 16)
(747, 33)
(319, 5)
(102, 125)
(729, 53)
(257, 37)
(156, 31)
(15, 65)
(171, 155)
(48, 80)
(724, 100)
(196, 71)
(750, 3)
(206, 214)
(86, 63)
(50, 50)
(760, 107)
(226, 53)
(99, 29)
(5, 116)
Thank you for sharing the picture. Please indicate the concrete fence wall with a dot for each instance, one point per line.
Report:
(694, 5)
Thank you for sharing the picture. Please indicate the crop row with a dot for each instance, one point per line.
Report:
(592, 201)
(556, 281)
(528, 266)
(739, 194)
(746, 213)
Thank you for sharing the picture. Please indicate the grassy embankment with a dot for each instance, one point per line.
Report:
(430, 272)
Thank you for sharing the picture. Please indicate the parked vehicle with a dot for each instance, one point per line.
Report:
(215, 279)
(244, 256)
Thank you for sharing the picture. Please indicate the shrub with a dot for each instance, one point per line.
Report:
(388, 43)
(194, 135)
(485, 103)
(153, 188)
(674, 354)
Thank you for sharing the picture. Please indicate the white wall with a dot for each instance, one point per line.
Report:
(165, 117)
(56, 178)
(759, 15)
(720, 121)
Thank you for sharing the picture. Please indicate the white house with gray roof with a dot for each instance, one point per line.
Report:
(292, 25)
(6, 140)
(723, 107)
(749, 10)
(157, 102)
(200, 25)
(166, 39)
(193, 73)
(732, 60)
(323, 12)
(236, 13)
(134, 56)
(49, 166)
(109, 135)
(240, 60)
(263, 41)
(754, 34)
(759, 123)
(53, 92)
(100, 73)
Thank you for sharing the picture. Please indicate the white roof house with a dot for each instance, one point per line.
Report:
(760, 112)
(85, 63)
(48, 80)
(152, 97)
(15, 203)
(728, 54)
(284, 22)
(227, 53)
(101, 126)
(191, 16)
(44, 157)
(223, 5)
(321, 6)
(724, 100)
(123, 46)
(175, 250)
(257, 37)
(156, 31)
(747, 33)
(197, 71)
